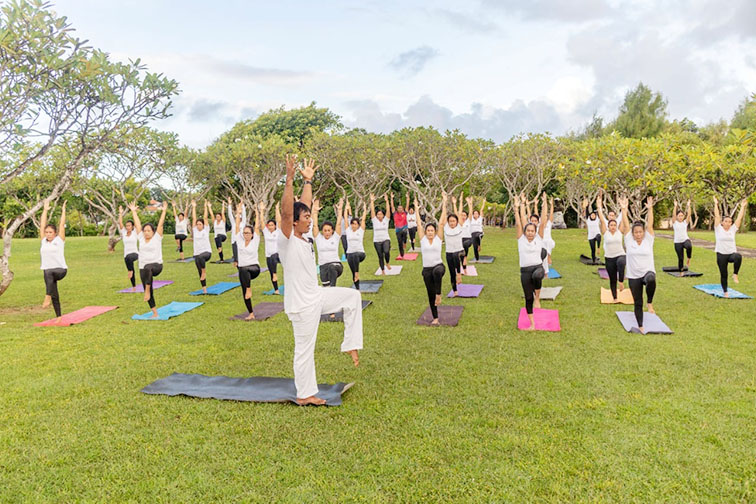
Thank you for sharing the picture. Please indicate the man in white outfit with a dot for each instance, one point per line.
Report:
(304, 300)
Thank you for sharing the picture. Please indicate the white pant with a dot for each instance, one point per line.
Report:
(305, 323)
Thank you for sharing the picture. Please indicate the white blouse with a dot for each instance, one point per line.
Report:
(181, 227)
(466, 233)
(453, 237)
(219, 228)
(201, 240)
(613, 244)
(52, 254)
(640, 257)
(681, 231)
(129, 242)
(476, 225)
(150, 252)
(354, 240)
(593, 228)
(271, 241)
(328, 248)
(380, 229)
(431, 251)
(725, 240)
(411, 220)
(247, 254)
(530, 251)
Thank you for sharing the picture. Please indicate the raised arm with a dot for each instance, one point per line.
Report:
(120, 217)
(650, 215)
(135, 216)
(738, 221)
(393, 209)
(43, 219)
(62, 222)
(372, 206)
(482, 207)
(259, 216)
(406, 202)
(625, 224)
(689, 215)
(551, 212)
(161, 222)
(364, 216)
(314, 214)
(238, 217)
(204, 212)
(347, 211)
(175, 215)
(469, 206)
(386, 200)
(602, 220)
(717, 214)
(278, 214)
(518, 216)
(231, 214)
(420, 224)
(674, 212)
(442, 220)
(287, 200)
(339, 216)
(194, 214)
(544, 209)
(308, 172)
(209, 208)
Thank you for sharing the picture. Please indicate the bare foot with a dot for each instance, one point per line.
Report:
(388, 266)
(355, 357)
(251, 316)
(275, 277)
(735, 279)
(315, 401)
(549, 259)
(204, 290)
(181, 256)
(650, 308)
(146, 292)
(57, 320)
(435, 322)
(621, 286)
(455, 293)
(154, 313)
(248, 293)
(357, 277)
(133, 289)
(531, 327)
(459, 278)
(642, 330)
(536, 303)
(46, 302)
(277, 293)
(727, 294)
(438, 299)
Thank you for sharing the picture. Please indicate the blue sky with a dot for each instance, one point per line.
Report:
(492, 68)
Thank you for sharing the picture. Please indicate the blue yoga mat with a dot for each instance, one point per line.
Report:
(553, 273)
(173, 309)
(217, 289)
(716, 290)
(272, 292)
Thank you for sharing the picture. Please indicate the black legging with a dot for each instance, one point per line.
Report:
(476, 238)
(273, 261)
(401, 238)
(722, 261)
(466, 244)
(636, 287)
(531, 278)
(679, 247)
(412, 233)
(594, 242)
(330, 272)
(432, 277)
(615, 267)
(52, 276)
(147, 274)
(344, 242)
(235, 252)
(219, 239)
(200, 261)
(452, 260)
(353, 260)
(180, 238)
(383, 249)
(246, 275)
(129, 259)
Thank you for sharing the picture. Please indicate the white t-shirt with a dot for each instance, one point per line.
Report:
(271, 241)
(431, 251)
(681, 231)
(380, 229)
(129, 242)
(298, 259)
(354, 240)
(725, 240)
(150, 252)
(247, 254)
(547, 231)
(219, 228)
(411, 220)
(476, 225)
(593, 228)
(328, 248)
(308, 234)
(201, 240)
(466, 233)
(640, 258)
(51, 254)
(453, 237)
(181, 226)
(530, 251)
(613, 244)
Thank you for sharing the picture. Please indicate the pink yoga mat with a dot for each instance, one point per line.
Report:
(545, 320)
(156, 284)
(77, 316)
(471, 271)
(409, 256)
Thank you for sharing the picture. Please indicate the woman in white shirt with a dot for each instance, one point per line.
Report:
(219, 227)
(464, 221)
(680, 222)
(412, 226)
(727, 252)
(327, 241)
(614, 252)
(476, 229)
(202, 249)
(270, 234)
(355, 254)
(454, 249)
(594, 229)
(235, 232)
(181, 229)
(247, 245)
(381, 240)
(433, 265)
(52, 256)
(548, 241)
(130, 250)
(639, 243)
(532, 253)
(150, 253)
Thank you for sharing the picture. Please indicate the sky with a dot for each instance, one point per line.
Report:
(490, 68)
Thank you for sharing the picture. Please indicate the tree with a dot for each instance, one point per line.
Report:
(56, 93)
(745, 115)
(295, 126)
(642, 115)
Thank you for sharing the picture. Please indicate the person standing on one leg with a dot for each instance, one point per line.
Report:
(235, 232)
(270, 233)
(452, 231)
(355, 234)
(130, 250)
(181, 229)
(150, 253)
(381, 240)
(327, 242)
(476, 229)
(433, 265)
(594, 230)
(52, 256)
(304, 300)
(532, 253)
(248, 243)
(680, 223)
(412, 226)
(219, 228)
(400, 224)
(202, 249)
(464, 221)
(346, 218)
(727, 252)
(614, 253)
(639, 243)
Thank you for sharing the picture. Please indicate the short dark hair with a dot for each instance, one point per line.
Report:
(638, 224)
(148, 225)
(452, 215)
(354, 219)
(201, 220)
(610, 221)
(271, 220)
(218, 214)
(536, 216)
(380, 210)
(431, 224)
(181, 214)
(527, 225)
(251, 229)
(328, 223)
(130, 222)
(299, 208)
(53, 227)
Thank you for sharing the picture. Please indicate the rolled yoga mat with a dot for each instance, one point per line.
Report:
(263, 311)
(339, 316)
(587, 260)
(216, 289)
(168, 311)
(409, 256)
(651, 323)
(467, 291)
(255, 389)
(545, 320)
(623, 296)
(370, 286)
(447, 316)
(716, 290)
(76, 317)
(395, 270)
(156, 284)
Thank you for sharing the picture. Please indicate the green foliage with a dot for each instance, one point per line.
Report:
(745, 115)
(295, 126)
(642, 115)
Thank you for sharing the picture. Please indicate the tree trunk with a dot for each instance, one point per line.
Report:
(113, 239)
(7, 274)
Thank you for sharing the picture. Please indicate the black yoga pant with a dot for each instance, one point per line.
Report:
(412, 233)
(466, 244)
(52, 276)
(615, 267)
(401, 238)
(272, 261)
(147, 274)
(383, 249)
(344, 242)
(129, 260)
(200, 261)
(531, 278)
(235, 252)
(722, 261)
(452, 260)
(476, 237)
(679, 247)
(594, 242)
(219, 239)
(330, 272)
(432, 277)
(636, 287)
(246, 275)
(180, 238)
(353, 260)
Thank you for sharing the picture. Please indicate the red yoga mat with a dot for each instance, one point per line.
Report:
(77, 316)
(409, 256)
(545, 320)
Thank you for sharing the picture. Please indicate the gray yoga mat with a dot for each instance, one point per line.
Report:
(685, 273)
(263, 311)
(370, 286)
(484, 259)
(651, 323)
(255, 389)
(339, 316)
(587, 260)
(447, 316)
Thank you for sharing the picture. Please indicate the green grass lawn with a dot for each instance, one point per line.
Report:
(480, 412)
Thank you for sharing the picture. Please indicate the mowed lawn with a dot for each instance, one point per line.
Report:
(480, 412)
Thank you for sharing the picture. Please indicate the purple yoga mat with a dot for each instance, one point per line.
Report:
(263, 311)
(467, 290)
(156, 284)
(603, 273)
(447, 316)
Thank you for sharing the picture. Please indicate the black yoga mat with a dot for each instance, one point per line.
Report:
(587, 260)
(263, 311)
(485, 259)
(447, 316)
(684, 273)
(339, 316)
(255, 389)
